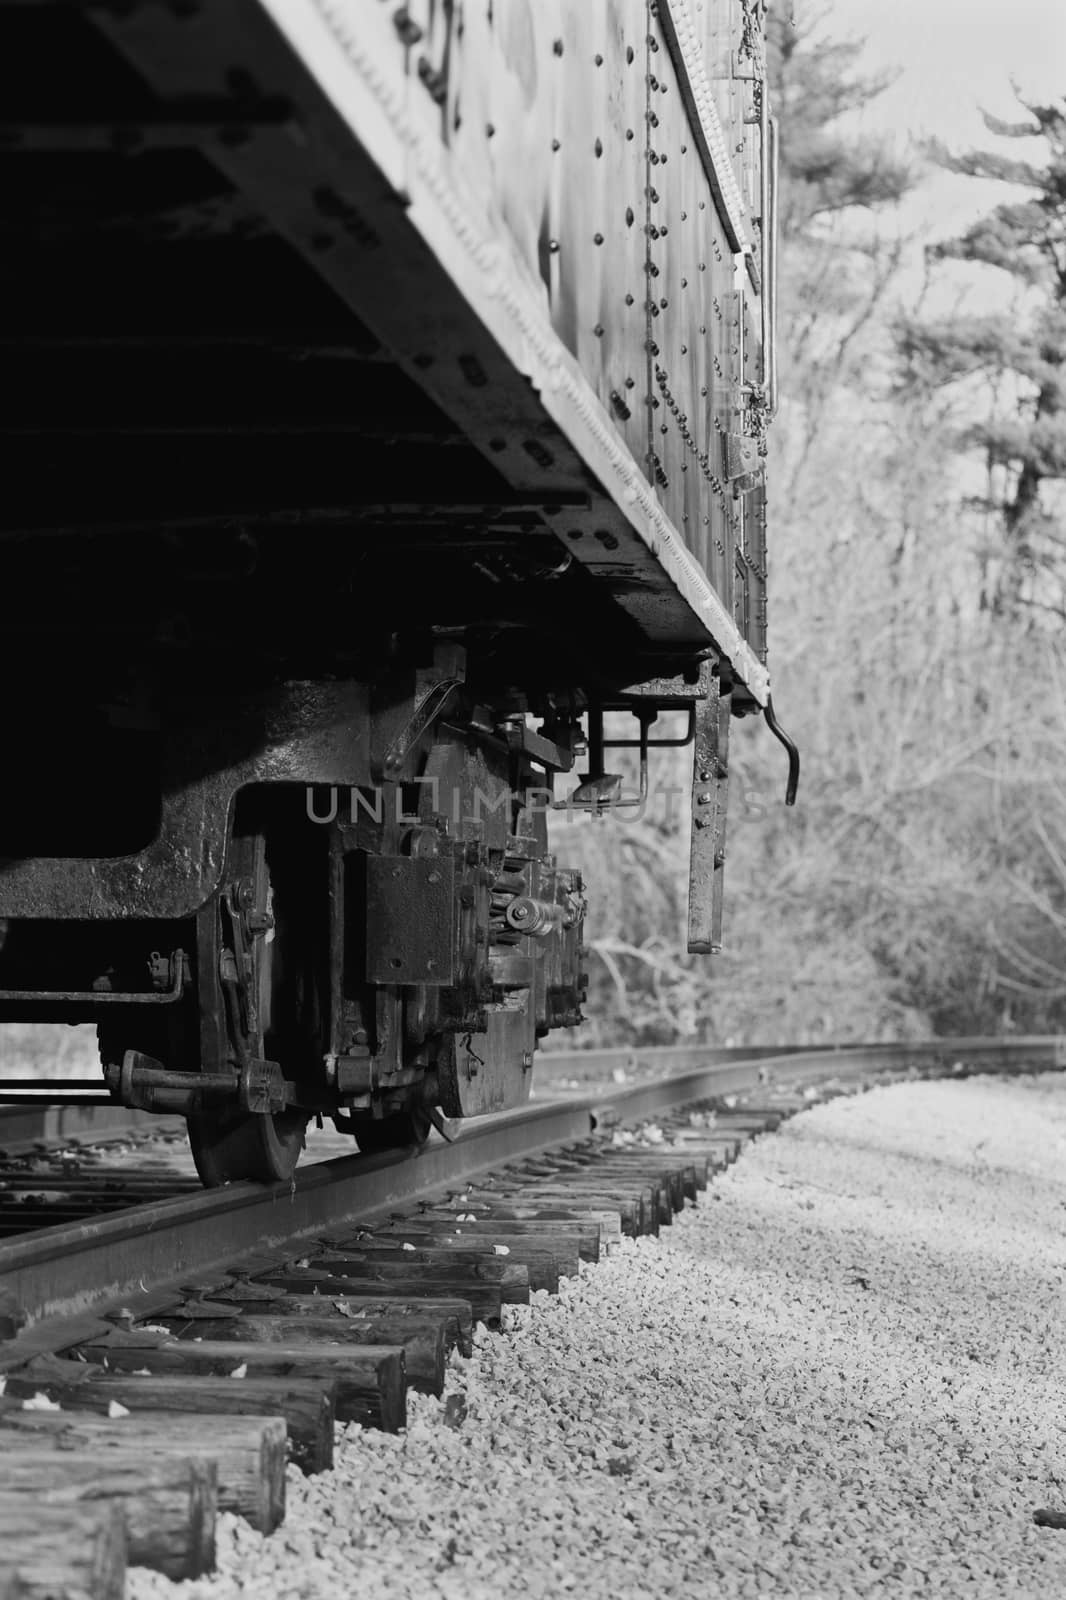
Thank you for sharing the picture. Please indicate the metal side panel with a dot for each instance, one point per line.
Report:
(389, 87)
(437, 259)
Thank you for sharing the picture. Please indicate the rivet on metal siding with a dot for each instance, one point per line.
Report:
(598, 147)
(598, 330)
(664, 230)
(629, 133)
(629, 216)
(597, 238)
(599, 61)
(630, 383)
(684, 349)
(553, 246)
(556, 145)
(406, 27)
(684, 149)
(629, 299)
(684, 283)
(489, 130)
(558, 47)
(629, 55)
(663, 303)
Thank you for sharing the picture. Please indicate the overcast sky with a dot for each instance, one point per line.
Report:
(954, 56)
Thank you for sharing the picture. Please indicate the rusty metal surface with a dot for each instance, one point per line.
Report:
(298, 733)
(710, 792)
(410, 912)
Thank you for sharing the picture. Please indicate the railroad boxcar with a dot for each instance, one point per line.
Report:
(386, 401)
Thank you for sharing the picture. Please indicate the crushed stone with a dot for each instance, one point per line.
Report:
(842, 1374)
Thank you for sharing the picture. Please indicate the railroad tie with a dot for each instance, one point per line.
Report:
(59, 1552)
(306, 1405)
(370, 1379)
(248, 1454)
(421, 1339)
(369, 1313)
(170, 1501)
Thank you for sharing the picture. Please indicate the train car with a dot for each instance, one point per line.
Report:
(386, 399)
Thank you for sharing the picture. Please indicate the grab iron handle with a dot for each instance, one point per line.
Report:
(768, 165)
(770, 283)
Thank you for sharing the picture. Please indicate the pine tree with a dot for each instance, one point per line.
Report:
(814, 83)
(1009, 368)
(837, 259)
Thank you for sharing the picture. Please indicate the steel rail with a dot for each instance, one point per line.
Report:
(81, 1270)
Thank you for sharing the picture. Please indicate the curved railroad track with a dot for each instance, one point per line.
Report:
(123, 1329)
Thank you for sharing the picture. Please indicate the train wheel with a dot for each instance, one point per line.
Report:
(282, 1018)
(401, 1131)
(264, 1149)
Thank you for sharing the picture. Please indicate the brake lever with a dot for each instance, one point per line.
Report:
(793, 753)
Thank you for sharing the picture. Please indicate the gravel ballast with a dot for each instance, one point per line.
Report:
(841, 1374)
